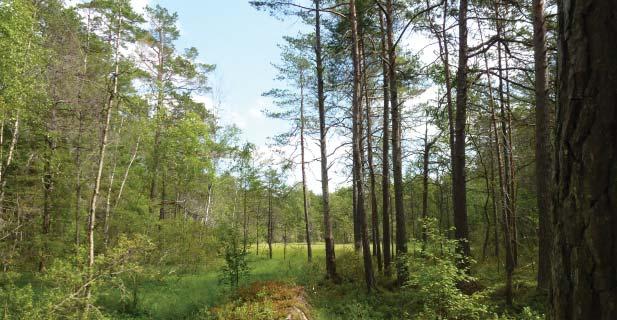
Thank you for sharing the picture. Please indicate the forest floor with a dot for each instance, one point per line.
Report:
(189, 295)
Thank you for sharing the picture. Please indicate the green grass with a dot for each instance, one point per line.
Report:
(179, 296)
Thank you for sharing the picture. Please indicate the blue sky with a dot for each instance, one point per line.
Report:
(242, 42)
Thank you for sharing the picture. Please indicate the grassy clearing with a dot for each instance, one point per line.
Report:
(183, 296)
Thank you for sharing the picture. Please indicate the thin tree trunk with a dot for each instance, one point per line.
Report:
(78, 147)
(99, 174)
(357, 228)
(307, 229)
(156, 152)
(371, 168)
(9, 158)
(208, 203)
(543, 159)
(492, 133)
(385, 159)
(325, 193)
(397, 154)
(270, 222)
(112, 175)
(459, 189)
(126, 175)
(48, 186)
(162, 208)
(78, 185)
(257, 216)
(425, 163)
(444, 54)
(245, 217)
(360, 212)
(507, 177)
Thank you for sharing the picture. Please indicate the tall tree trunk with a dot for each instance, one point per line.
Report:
(584, 260)
(444, 54)
(270, 223)
(112, 176)
(78, 184)
(385, 159)
(425, 160)
(507, 192)
(159, 118)
(209, 203)
(512, 167)
(126, 175)
(101, 159)
(357, 146)
(504, 176)
(493, 136)
(245, 218)
(397, 154)
(48, 186)
(78, 146)
(371, 168)
(325, 193)
(257, 221)
(307, 229)
(459, 185)
(9, 158)
(357, 227)
(543, 160)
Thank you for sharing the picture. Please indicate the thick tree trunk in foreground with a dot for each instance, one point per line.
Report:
(584, 261)
(543, 161)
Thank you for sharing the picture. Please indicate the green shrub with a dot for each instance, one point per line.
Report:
(16, 302)
(236, 265)
(433, 286)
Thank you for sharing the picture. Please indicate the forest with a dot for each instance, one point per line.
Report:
(477, 141)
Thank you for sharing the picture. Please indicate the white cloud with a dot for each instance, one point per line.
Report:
(138, 5)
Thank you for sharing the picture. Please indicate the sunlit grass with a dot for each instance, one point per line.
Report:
(178, 296)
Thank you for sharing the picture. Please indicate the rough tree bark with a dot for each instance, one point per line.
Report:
(584, 260)
(357, 147)
(373, 183)
(543, 161)
(325, 192)
(459, 188)
(397, 153)
(385, 158)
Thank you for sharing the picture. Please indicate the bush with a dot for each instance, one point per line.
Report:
(236, 265)
(433, 286)
(16, 302)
